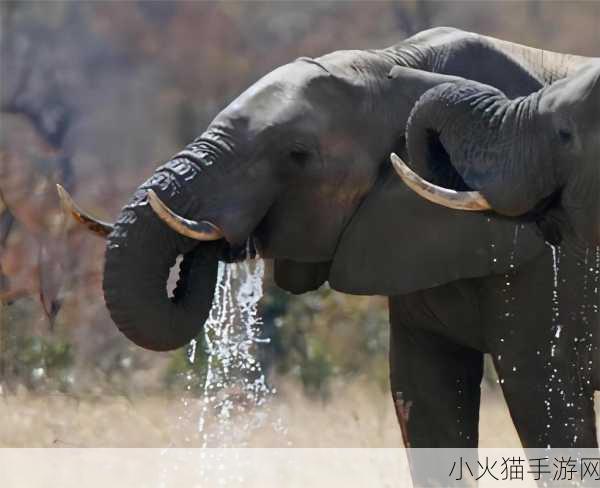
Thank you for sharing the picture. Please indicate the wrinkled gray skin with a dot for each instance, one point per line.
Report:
(538, 154)
(299, 163)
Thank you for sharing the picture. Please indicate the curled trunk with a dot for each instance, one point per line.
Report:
(140, 253)
(469, 136)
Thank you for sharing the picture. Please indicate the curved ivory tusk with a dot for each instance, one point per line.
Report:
(92, 224)
(458, 200)
(201, 231)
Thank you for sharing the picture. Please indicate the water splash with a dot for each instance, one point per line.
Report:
(236, 396)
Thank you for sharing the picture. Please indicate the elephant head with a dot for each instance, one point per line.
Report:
(298, 166)
(536, 156)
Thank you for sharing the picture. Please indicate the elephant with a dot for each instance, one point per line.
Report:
(298, 168)
(536, 155)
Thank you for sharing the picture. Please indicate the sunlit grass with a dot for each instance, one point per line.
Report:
(356, 415)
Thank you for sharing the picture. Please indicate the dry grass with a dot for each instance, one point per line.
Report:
(355, 416)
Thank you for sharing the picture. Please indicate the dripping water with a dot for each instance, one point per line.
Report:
(586, 313)
(509, 297)
(596, 273)
(236, 397)
(556, 326)
(551, 384)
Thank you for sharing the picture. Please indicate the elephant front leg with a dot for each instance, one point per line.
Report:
(435, 382)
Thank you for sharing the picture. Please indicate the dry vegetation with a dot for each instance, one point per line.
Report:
(357, 415)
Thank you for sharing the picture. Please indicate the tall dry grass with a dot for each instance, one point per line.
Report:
(356, 415)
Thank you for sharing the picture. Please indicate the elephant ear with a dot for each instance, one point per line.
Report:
(398, 243)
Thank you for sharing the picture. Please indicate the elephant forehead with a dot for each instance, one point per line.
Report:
(273, 107)
(580, 92)
(275, 90)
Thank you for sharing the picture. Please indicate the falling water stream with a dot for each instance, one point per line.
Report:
(235, 398)
(235, 384)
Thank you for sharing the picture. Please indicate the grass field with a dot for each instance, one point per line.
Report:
(355, 416)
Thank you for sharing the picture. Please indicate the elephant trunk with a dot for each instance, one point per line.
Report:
(140, 252)
(469, 136)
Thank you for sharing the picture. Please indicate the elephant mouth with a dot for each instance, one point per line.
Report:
(261, 239)
(550, 218)
(238, 253)
(179, 271)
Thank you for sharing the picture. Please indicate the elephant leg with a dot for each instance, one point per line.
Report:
(541, 339)
(435, 382)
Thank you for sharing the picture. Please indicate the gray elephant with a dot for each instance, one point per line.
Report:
(299, 165)
(537, 155)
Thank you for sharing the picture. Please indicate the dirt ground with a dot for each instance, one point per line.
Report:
(355, 416)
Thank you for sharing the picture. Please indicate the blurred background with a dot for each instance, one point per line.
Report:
(94, 95)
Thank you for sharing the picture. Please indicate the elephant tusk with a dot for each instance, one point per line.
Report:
(201, 231)
(92, 224)
(457, 200)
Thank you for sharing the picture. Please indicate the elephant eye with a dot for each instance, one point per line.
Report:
(299, 156)
(565, 137)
